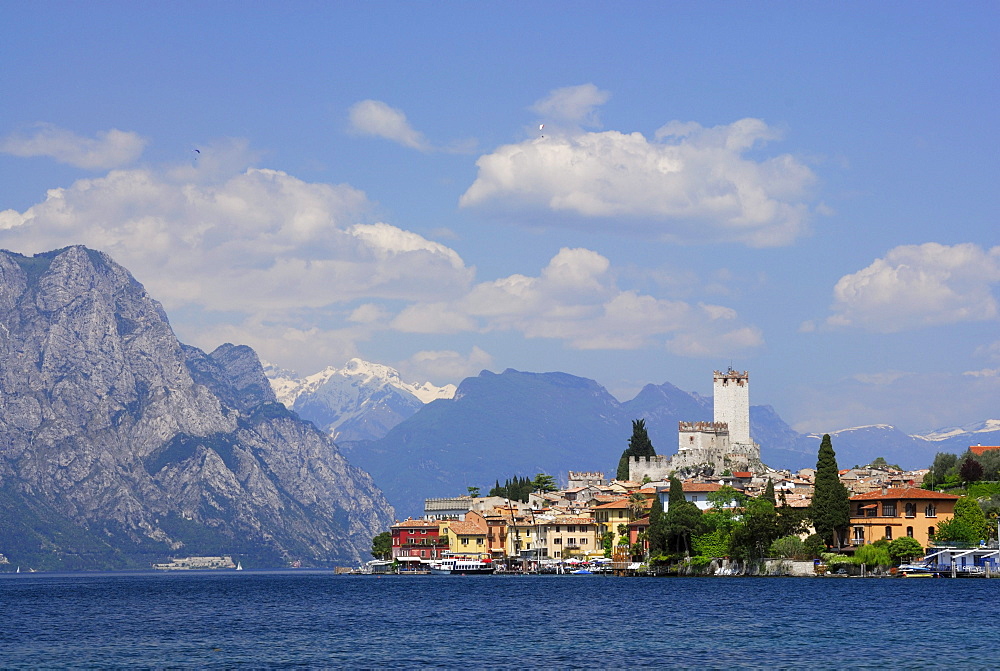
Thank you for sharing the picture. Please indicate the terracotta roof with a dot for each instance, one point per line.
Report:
(742, 474)
(621, 504)
(416, 524)
(905, 493)
(979, 449)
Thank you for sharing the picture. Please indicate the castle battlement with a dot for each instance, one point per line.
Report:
(704, 427)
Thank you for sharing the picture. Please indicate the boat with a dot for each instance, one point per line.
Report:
(462, 566)
(920, 570)
(239, 566)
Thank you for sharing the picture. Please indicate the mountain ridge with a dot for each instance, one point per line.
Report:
(119, 445)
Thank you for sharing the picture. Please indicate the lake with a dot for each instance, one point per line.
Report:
(313, 619)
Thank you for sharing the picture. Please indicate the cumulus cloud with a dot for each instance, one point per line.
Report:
(688, 183)
(445, 364)
(108, 149)
(575, 299)
(572, 104)
(259, 240)
(374, 117)
(916, 286)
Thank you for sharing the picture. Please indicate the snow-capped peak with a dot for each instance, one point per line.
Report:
(357, 374)
(988, 426)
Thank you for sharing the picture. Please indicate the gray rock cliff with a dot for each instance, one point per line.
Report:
(118, 444)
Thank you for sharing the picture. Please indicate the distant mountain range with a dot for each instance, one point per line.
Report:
(120, 446)
(499, 425)
(361, 401)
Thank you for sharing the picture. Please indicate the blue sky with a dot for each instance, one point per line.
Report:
(800, 190)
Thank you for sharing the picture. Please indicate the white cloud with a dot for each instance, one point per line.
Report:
(919, 285)
(984, 372)
(572, 104)
(574, 299)
(445, 364)
(108, 149)
(690, 183)
(259, 240)
(374, 117)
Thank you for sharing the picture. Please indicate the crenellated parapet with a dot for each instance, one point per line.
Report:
(704, 427)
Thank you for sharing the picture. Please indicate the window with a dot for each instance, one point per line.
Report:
(479, 541)
(557, 541)
(423, 553)
(571, 529)
(583, 541)
(423, 531)
(930, 511)
(888, 533)
(911, 509)
(465, 541)
(888, 509)
(930, 532)
(909, 531)
(859, 535)
(570, 541)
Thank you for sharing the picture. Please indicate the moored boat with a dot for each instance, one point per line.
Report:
(462, 566)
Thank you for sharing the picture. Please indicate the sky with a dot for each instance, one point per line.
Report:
(633, 193)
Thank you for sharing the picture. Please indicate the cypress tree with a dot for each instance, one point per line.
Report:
(657, 536)
(639, 445)
(831, 509)
(768, 494)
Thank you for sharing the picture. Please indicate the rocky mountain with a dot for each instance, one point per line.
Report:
(499, 425)
(361, 401)
(120, 446)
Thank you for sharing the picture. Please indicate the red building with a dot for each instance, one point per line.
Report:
(418, 538)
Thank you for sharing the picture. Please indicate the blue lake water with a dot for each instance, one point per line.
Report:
(318, 620)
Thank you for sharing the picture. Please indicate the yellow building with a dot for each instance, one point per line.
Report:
(894, 512)
(612, 517)
(567, 536)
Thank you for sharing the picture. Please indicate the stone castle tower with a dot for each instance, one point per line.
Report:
(711, 447)
(732, 404)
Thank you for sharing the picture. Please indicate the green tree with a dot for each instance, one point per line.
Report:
(791, 521)
(788, 546)
(657, 535)
(726, 497)
(473, 491)
(873, 555)
(831, 508)
(967, 510)
(757, 529)
(768, 494)
(544, 483)
(945, 466)
(683, 519)
(382, 545)
(639, 445)
(814, 545)
(905, 547)
(956, 531)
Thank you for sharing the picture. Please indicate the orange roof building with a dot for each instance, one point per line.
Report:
(899, 511)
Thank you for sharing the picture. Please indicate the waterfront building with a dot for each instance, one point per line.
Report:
(566, 536)
(892, 512)
(418, 538)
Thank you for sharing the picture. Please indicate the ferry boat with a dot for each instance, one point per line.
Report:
(462, 566)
